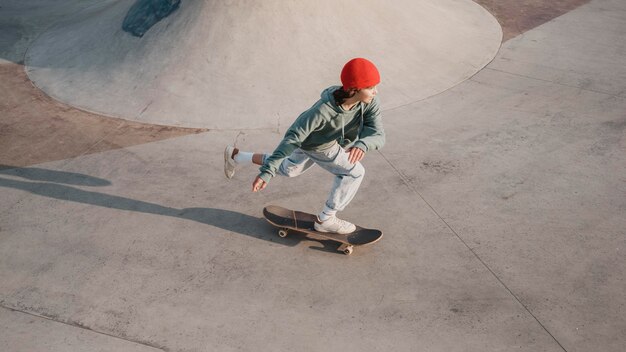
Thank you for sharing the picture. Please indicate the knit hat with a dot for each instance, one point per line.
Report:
(359, 73)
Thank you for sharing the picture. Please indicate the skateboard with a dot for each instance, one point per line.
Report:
(287, 219)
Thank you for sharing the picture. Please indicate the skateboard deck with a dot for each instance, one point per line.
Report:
(287, 219)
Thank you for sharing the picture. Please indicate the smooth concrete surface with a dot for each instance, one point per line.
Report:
(23, 332)
(598, 61)
(231, 65)
(502, 200)
(34, 128)
(163, 249)
(23, 21)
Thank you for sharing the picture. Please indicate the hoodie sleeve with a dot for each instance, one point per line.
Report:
(304, 125)
(372, 136)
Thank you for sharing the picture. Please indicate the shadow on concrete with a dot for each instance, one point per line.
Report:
(70, 178)
(56, 188)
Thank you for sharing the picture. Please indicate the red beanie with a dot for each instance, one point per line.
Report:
(358, 74)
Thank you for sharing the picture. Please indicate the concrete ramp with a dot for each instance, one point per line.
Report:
(256, 64)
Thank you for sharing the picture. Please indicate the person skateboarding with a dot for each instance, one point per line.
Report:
(335, 133)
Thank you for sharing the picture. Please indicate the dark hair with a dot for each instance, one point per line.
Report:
(341, 95)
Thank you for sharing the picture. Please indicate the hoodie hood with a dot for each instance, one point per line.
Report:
(329, 100)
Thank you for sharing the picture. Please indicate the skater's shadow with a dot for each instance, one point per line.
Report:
(55, 185)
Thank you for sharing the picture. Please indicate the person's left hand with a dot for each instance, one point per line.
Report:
(356, 155)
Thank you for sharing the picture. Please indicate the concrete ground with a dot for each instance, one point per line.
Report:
(502, 200)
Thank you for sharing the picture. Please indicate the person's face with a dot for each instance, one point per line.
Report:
(366, 95)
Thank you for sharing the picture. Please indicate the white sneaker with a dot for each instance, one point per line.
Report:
(334, 225)
(229, 162)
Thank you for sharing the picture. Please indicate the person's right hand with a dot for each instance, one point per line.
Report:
(258, 184)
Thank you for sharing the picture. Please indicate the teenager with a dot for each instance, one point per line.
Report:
(335, 133)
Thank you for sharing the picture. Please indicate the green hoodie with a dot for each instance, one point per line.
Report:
(323, 124)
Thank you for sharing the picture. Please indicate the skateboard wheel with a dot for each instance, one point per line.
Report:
(282, 233)
(348, 250)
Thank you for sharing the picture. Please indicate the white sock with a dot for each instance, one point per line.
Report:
(327, 213)
(243, 158)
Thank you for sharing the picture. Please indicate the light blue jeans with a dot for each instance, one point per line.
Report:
(334, 159)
